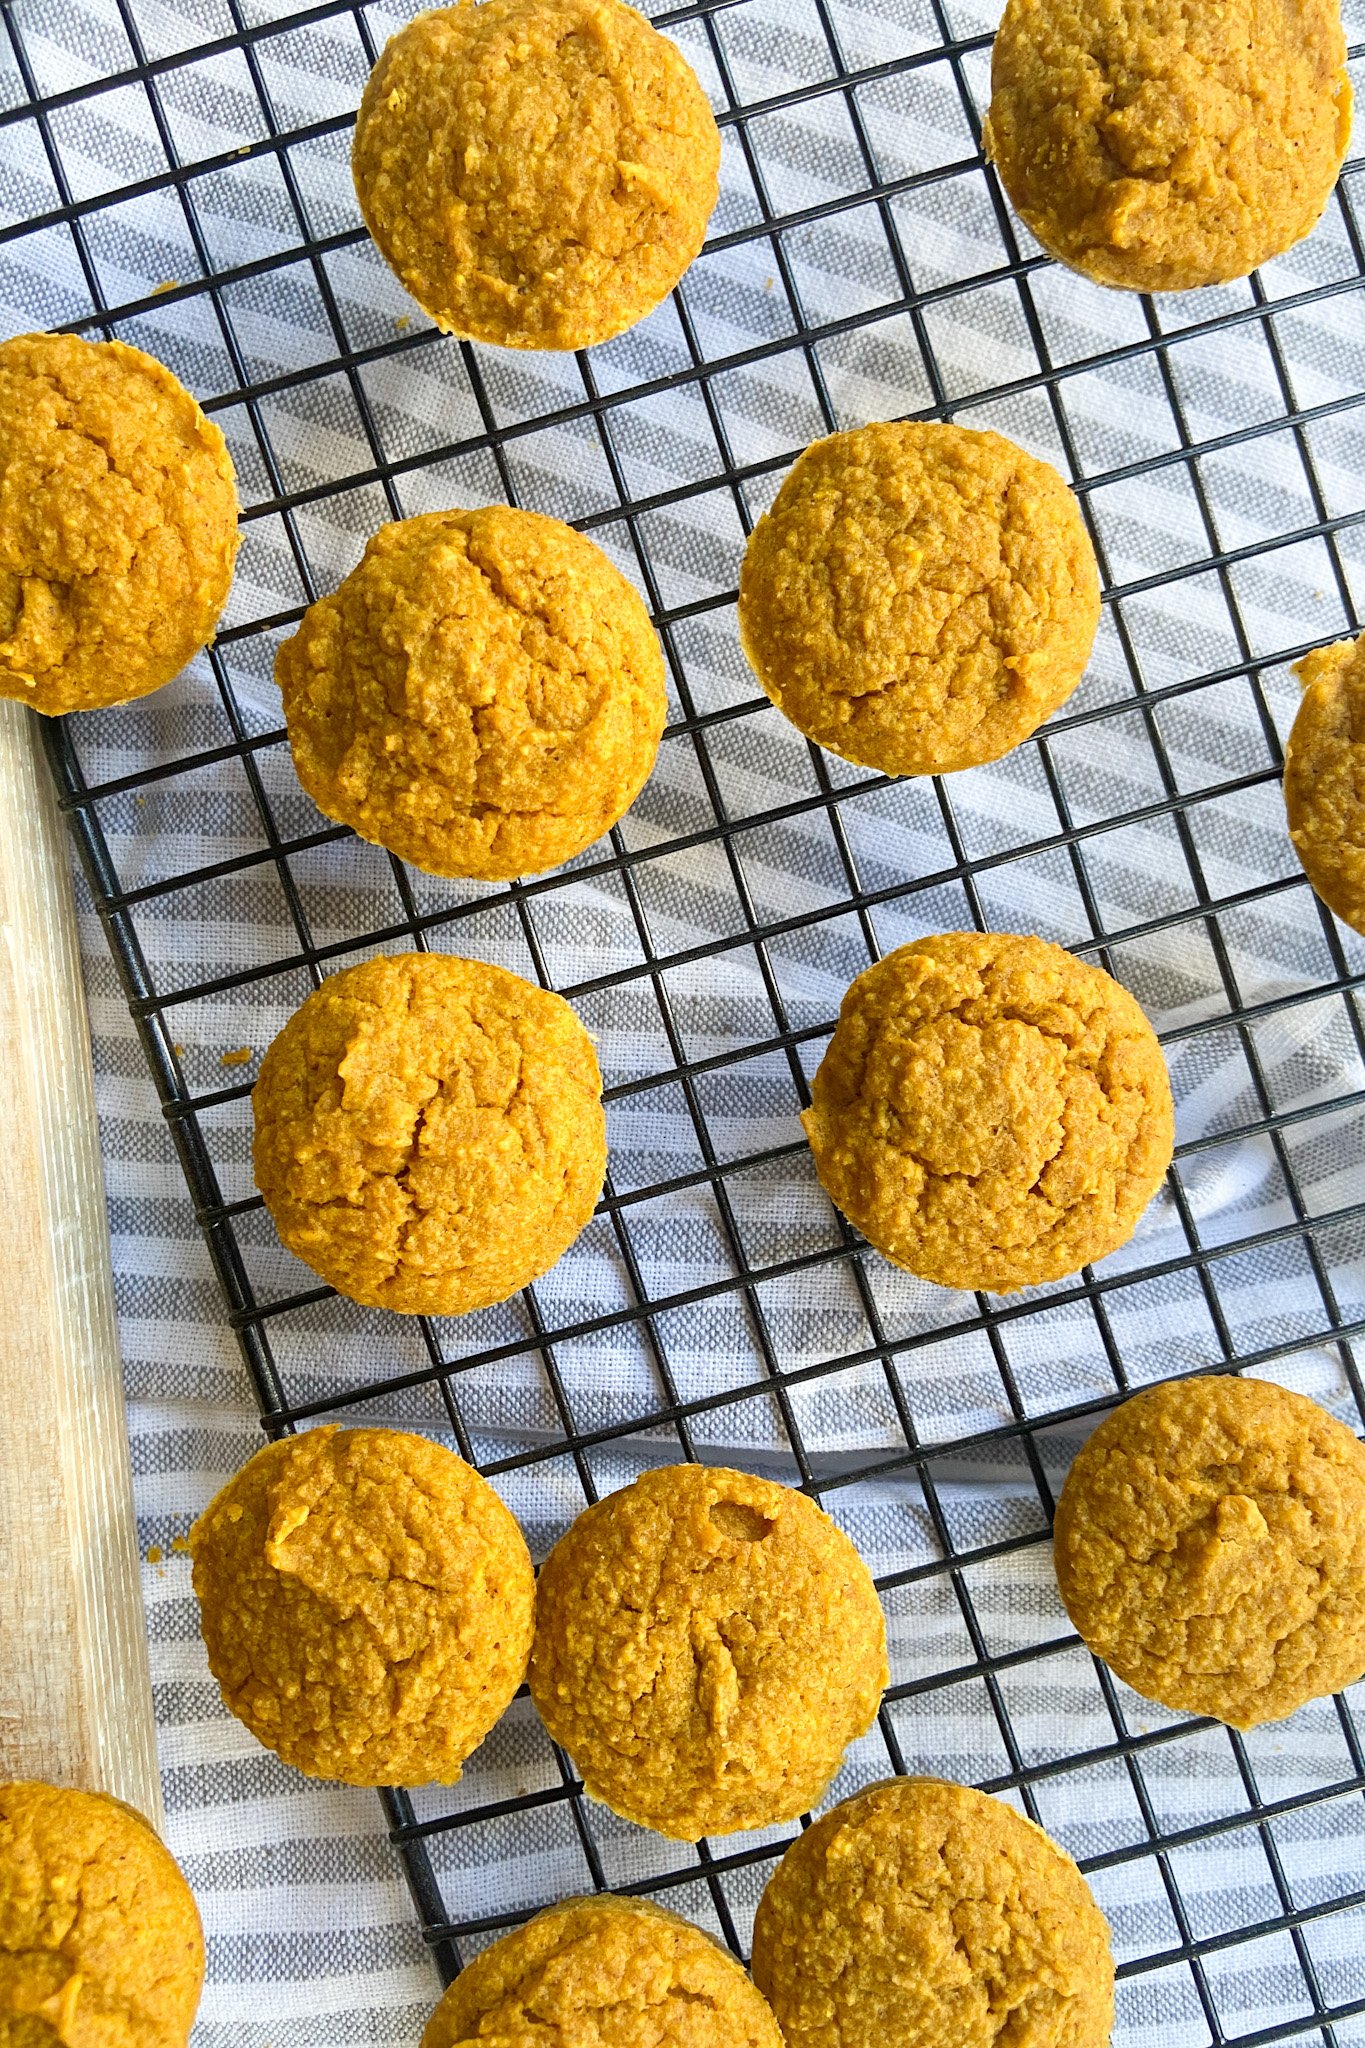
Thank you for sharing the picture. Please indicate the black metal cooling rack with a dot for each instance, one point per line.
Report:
(1330, 1995)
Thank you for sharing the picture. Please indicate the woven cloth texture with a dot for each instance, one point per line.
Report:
(1155, 831)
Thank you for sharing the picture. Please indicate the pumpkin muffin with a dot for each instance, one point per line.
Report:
(923, 1912)
(429, 1132)
(1324, 777)
(604, 1970)
(539, 173)
(100, 1944)
(484, 694)
(1156, 145)
(1210, 1546)
(366, 1602)
(920, 598)
(707, 1646)
(118, 523)
(992, 1112)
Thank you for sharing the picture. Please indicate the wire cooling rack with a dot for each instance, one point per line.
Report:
(176, 174)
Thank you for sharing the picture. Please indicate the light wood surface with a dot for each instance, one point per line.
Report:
(75, 1689)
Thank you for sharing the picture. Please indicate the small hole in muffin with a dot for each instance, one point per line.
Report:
(745, 1524)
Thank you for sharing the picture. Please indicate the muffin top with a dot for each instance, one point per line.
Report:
(707, 1645)
(920, 597)
(604, 1973)
(100, 1941)
(483, 695)
(118, 523)
(366, 1602)
(926, 1913)
(992, 1112)
(429, 1132)
(1158, 146)
(1210, 1546)
(1324, 777)
(539, 173)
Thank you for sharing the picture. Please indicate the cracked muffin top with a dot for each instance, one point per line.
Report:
(118, 523)
(1324, 777)
(926, 1914)
(429, 1132)
(604, 1973)
(707, 1646)
(1158, 145)
(484, 693)
(920, 597)
(366, 1602)
(1210, 1546)
(991, 1112)
(539, 173)
(100, 1944)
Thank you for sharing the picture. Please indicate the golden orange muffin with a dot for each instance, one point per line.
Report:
(1210, 1546)
(920, 597)
(539, 173)
(921, 1914)
(707, 1646)
(1324, 777)
(118, 523)
(1156, 145)
(484, 694)
(992, 1112)
(604, 1973)
(367, 1604)
(429, 1132)
(100, 1944)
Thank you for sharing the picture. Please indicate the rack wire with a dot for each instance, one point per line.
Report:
(870, 260)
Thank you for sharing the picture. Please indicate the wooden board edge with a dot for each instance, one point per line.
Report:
(75, 1681)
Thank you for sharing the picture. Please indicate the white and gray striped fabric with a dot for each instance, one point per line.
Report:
(1230, 542)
